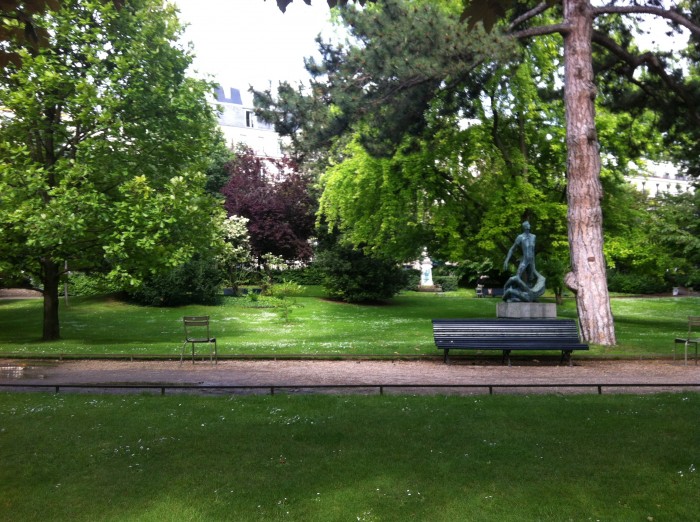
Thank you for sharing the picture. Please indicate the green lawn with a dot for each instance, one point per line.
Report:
(645, 326)
(321, 458)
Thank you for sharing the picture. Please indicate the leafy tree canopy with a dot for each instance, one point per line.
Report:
(276, 198)
(20, 23)
(102, 139)
(490, 155)
(404, 65)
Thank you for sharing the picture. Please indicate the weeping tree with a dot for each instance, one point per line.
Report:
(387, 82)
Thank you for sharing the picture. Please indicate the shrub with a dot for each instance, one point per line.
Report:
(412, 278)
(627, 283)
(309, 275)
(80, 284)
(196, 282)
(354, 277)
(447, 283)
(286, 294)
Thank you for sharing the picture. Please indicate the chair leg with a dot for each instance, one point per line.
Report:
(182, 351)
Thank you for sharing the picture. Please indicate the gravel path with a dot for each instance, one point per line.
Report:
(298, 374)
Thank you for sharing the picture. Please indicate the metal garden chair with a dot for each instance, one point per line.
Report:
(197, 332)
(693, 337)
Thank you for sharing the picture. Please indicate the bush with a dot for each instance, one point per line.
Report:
(309, 275)
(80, 284)
(635, 283)
(196, 282)
(447, 283)
(412, 278)
(286, 294)
(354, 277)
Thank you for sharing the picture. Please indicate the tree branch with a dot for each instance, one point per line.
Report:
(562, 29)
(540, 8)
(674, 16)
(651, 61)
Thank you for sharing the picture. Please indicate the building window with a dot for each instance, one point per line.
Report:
(249, 118)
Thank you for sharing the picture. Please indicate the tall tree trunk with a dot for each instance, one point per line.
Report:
(587, 278)
(51, 273)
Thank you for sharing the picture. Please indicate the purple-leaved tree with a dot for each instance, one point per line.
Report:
(276, 198)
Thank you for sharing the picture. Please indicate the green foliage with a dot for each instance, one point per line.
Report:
(413, 277)
(378, 202)
(676, 227)
(484, 162)
(286, 293)
(554, 269)
(651, 244)
(286, 290)
(80, 284)
(636, 283)
(385, 80)
(236, 257)
(216, 171)
(309, 275)
(102, 146)
(447, 283)
(355, 277)
(196, 282)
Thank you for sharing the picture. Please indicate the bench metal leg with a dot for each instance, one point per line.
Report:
(446, 357)
(506, 356)
(566, 356)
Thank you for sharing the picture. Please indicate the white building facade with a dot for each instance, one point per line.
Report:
(656, 179)
(239, 125)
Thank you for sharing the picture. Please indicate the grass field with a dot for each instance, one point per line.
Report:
(339, 458)
(645, 326)
(85, 457)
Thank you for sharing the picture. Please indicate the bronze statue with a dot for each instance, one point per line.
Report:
(527, 284)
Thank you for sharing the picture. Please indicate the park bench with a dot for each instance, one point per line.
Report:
(507, 335)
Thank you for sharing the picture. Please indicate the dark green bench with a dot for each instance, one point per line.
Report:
(507, 335)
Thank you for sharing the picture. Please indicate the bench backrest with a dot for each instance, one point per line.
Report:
(466, 332)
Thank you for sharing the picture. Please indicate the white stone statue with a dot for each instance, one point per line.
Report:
(426, 267)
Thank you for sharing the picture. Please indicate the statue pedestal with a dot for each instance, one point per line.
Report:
(526, 310)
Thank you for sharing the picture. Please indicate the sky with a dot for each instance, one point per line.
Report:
(251, 42)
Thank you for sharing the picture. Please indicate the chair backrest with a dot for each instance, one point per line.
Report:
(195, 321)
(693, 323)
